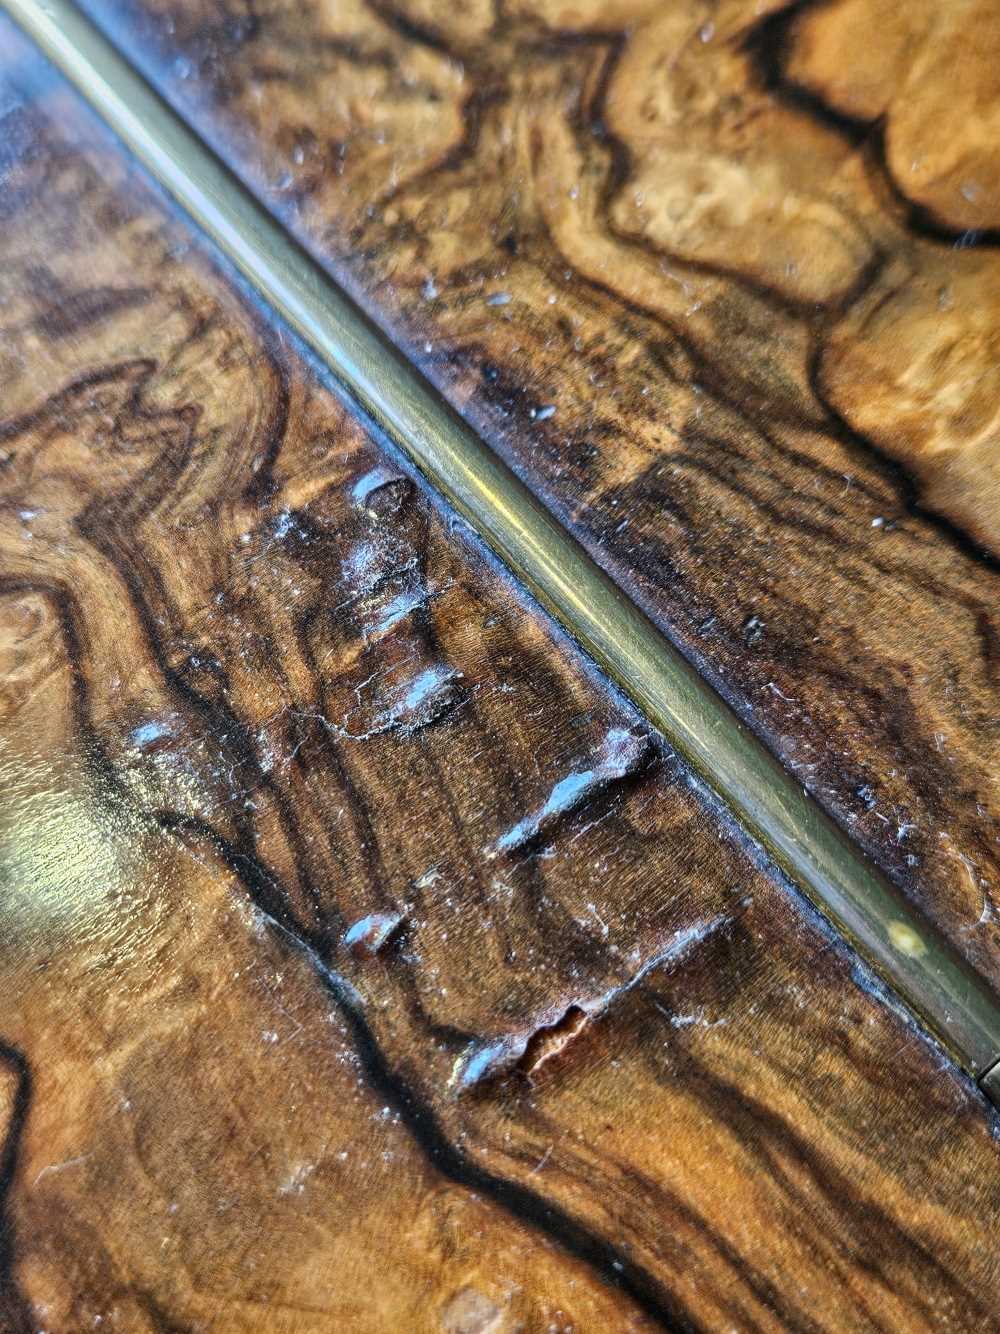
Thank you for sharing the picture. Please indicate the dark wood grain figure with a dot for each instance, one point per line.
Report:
(363, 963)
(724, 289)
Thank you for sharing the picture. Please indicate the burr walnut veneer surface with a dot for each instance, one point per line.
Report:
(365, 964)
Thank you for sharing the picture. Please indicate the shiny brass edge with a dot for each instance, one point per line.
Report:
(954, 1002)
(990, 1084)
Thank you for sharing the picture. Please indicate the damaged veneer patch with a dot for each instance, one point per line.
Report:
(368, 936)
(526, 1051)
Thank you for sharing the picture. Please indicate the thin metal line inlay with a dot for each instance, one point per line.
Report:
(921, 966)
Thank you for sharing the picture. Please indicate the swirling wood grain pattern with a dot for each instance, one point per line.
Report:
(721, 281)
(362, 963)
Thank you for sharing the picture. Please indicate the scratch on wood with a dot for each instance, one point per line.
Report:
(622, 754)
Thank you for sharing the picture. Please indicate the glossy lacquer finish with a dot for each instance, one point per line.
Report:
(364, 964)
(723, 291)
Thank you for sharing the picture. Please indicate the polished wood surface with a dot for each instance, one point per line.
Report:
(364, 964)
(722, 283)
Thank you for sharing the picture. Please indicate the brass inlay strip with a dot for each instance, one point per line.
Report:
(921, 966)
(990, 1083)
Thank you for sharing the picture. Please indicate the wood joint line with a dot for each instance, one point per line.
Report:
(914, 958)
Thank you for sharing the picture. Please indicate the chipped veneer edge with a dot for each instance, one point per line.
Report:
(921, 966)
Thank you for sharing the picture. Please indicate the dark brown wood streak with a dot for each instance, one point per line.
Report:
(14, 1311)
(724, 299)
(364, 963)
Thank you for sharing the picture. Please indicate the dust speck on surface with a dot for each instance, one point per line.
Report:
(907, 941)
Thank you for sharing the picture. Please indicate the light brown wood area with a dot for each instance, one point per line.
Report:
(722, 282)
(363, 963)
